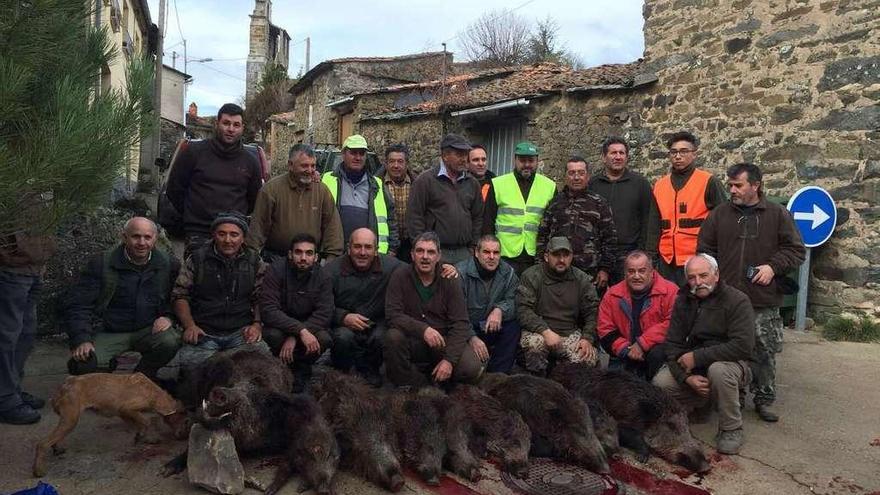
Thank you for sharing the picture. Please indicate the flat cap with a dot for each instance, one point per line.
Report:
(456, 142)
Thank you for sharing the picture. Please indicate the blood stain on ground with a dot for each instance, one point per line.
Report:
(644, 480)
(448, 485)
(875, 442)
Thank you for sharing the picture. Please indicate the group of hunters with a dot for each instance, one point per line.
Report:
(436, 277)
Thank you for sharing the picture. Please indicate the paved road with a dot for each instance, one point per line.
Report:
(829, 397)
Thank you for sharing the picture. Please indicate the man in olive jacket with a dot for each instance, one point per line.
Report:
(756, 243)
(708, 348)
(429, 336)
(556, 306)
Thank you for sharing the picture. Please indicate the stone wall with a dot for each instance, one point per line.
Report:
(792, 86)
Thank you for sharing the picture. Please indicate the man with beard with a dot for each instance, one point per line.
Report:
(212, 176)
(556, 307)
(359, 281)
(515, 205)
(634, 317)
(296, 304)
(585, 219)
(292, 204)
(215, 296)
(429, 338)
(757, 243)
(489, 285)
(127, 289)
(708, 348)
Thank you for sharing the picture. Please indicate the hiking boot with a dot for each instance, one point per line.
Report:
(32, 400)
(766, 414)
(729, 441)
(22, 414)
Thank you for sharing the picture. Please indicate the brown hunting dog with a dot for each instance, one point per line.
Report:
(126, 396)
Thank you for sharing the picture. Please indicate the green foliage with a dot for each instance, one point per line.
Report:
(271, 98)
(860, 329)
(272, 75)
(61, 144)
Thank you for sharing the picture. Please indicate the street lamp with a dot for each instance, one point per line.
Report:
(196, 60)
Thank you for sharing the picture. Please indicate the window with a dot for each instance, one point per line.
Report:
(502, 139)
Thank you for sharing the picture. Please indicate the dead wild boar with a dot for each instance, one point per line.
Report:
(559, 423)
(648, 418)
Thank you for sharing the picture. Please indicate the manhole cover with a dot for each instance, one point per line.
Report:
(547, 477)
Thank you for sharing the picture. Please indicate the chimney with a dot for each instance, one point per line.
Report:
(193, 110)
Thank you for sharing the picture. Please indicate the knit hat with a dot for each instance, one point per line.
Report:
(233, 217)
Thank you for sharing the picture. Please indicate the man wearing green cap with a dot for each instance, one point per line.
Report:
(360, 197)
(515, 204)
(556, 307)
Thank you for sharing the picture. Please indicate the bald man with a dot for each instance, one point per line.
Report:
(126, 289)
(359, 281)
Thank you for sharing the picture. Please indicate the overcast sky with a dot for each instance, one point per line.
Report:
(596, 31)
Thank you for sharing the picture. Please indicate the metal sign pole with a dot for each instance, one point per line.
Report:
(803, 289)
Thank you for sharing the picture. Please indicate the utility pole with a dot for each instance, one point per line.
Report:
(443, 93)
(157, 101)
(308, 51)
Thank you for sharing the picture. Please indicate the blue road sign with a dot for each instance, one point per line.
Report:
(814, 214)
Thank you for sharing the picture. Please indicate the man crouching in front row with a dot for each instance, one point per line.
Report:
(708, 347)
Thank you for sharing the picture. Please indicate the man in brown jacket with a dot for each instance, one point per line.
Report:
(292, 204)
(756, 243)
(429, 336)
(445, 199)
(708, 348)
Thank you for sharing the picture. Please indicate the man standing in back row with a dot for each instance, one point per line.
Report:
(446, 200)
(756, 243)
(213, 176)
(515, 205)
(629, 196)
(683, 198)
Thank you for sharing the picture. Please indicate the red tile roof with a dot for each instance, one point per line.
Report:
(498, 85)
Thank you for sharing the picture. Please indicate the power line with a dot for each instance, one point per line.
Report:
(177, 17)
(221, 72)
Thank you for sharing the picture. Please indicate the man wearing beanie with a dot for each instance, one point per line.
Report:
(360, 197)
(214, 175)
(215, 296)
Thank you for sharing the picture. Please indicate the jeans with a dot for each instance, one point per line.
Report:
(193, 355)
(18, 327)
(502, 345)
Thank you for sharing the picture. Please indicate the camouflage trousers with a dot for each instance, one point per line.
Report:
(768, 343)
(536, 355)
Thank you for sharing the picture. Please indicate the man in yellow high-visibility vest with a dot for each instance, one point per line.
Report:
(515, 204)
(360, 197)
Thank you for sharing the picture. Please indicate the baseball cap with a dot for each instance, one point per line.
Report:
(355, 142)
(456, 142)
(558, 244)
(526, 148)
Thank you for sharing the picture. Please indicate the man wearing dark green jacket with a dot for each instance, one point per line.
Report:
(489, 286)
(128, 289)
(358, 325)
(708, 348)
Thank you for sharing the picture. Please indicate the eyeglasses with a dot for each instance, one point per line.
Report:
(680, 152)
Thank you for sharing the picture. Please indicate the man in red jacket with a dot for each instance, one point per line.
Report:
(634, 316)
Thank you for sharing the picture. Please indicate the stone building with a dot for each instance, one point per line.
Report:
(269, 46)
(792, 86)
(172, 124)
(322, 111)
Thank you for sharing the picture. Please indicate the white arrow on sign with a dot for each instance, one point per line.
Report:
(818, 216)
